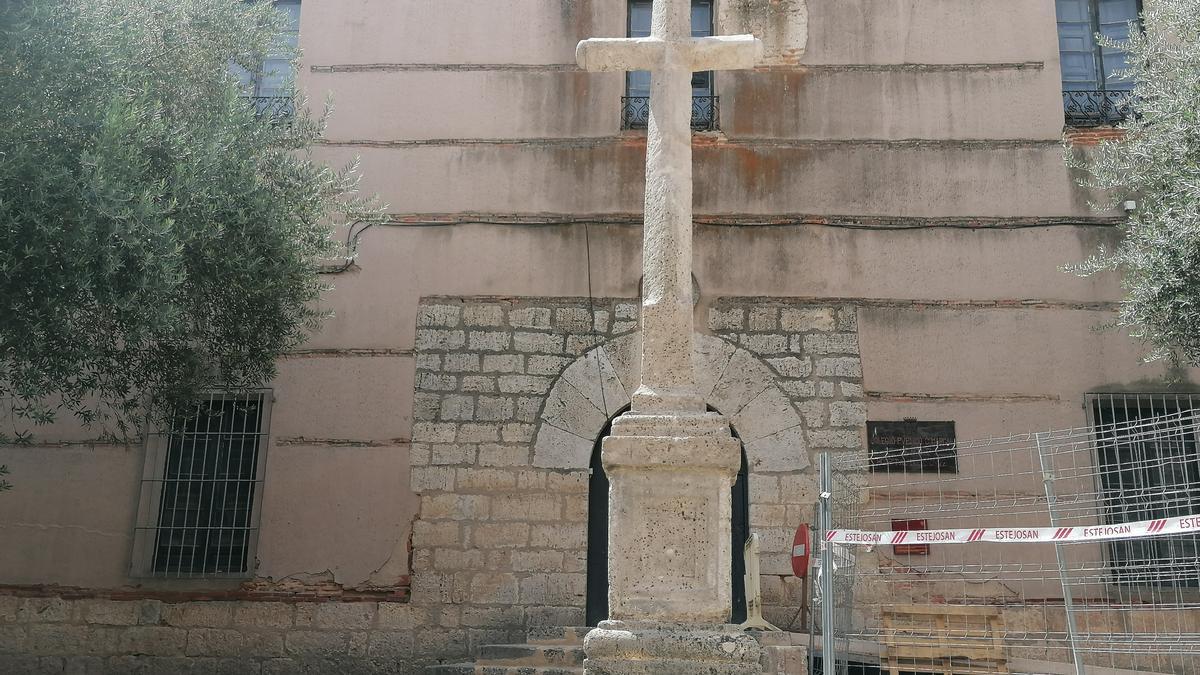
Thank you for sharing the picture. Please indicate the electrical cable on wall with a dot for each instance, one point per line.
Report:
(842, 222)
(837, 222)
(357, 228)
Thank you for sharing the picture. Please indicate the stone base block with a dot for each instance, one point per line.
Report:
(669, 517)
(782, 653)
(652, 648)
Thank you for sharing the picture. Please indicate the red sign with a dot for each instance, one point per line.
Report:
(910, 526)
(801, 549)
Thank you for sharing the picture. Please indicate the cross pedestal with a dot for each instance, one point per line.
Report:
(670, 464)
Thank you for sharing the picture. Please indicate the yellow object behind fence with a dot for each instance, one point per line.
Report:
(943, 639)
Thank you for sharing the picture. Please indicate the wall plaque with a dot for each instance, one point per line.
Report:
(912, 446)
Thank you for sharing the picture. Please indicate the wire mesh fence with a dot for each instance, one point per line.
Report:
(1054, 552)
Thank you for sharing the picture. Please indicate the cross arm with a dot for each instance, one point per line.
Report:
(606, 54)
(725, 52)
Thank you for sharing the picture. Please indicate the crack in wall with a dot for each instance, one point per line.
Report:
(333, 353)
(78, 528)
(905, 397)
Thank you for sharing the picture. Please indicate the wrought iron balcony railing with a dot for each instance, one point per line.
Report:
(1097, 108)
(275, 107)
(635, 112)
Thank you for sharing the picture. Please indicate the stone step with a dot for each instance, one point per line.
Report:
(527, 670)
(559, 656)
(557, 635)
(451, 669)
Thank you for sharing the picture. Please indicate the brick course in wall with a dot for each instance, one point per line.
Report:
(1092, 135)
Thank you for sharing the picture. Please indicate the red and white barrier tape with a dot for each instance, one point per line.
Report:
(1020, 535)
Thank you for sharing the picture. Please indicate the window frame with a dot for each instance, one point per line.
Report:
(278, 101)
(148, 522)
(290, 76)
(1101, 105)
(636, 109)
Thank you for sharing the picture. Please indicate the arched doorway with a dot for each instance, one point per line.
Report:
(597, 545)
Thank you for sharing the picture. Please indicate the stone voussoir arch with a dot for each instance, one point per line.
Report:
(599, 384)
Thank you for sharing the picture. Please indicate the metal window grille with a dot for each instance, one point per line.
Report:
(1144, 477)
(278, 109)
(635, 104)
(201, 492)
(1097, 108)
(1094, 91)
(706, 112)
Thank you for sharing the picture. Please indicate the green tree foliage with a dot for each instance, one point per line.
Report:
(1158, 164)
(158, 237)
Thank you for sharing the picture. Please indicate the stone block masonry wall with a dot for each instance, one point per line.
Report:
(500, 539)
(812, 351)
(58, 635)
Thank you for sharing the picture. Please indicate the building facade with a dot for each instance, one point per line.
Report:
(882, 217)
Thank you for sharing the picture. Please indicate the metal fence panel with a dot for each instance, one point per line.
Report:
(1028, 562)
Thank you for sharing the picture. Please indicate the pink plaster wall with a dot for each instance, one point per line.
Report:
(974, 136)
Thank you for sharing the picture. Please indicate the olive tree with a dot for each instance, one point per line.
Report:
(1157, 163)
(159, 235)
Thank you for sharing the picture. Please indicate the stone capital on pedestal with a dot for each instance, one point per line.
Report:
(671, 424)
(697, 442)
(650, 400)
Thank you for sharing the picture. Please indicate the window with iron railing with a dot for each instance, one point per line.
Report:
(201, 493)
(1094, 93)
(635, 105)
(269, 88)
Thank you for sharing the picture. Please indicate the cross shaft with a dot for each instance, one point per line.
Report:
(671, 55)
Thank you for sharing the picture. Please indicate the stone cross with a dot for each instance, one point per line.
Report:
(670, 463)
(671, 55)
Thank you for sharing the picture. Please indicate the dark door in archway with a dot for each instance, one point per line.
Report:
(597, 551)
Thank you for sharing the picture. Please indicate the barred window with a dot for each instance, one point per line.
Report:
(1148, 472)
(201, 490)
